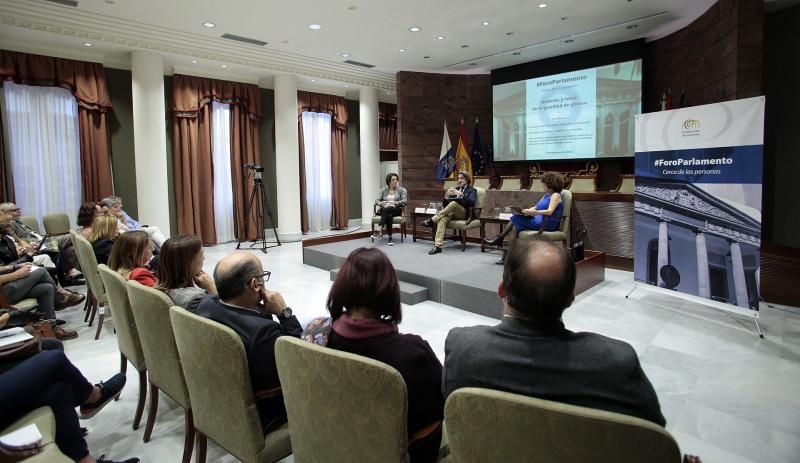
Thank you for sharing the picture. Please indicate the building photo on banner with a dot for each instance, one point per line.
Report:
(697, 205)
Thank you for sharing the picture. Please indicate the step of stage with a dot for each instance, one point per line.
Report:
(409, 294)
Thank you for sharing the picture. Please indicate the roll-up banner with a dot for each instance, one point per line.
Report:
(698, 201)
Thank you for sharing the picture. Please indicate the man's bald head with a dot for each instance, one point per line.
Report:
(234, 272)
(539, 279)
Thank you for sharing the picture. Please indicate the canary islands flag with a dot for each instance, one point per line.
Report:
(447, 160)
(463, 162)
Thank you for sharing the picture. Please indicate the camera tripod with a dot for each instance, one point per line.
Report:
(258, 189)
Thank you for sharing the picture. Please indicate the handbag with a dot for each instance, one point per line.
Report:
(318, 331)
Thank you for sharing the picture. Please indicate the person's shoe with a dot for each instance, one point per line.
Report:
(502, 260)
(103, 459)
(496, 241)
(63, 334)
(390, 243)
(60, 322)
(427, 223)
(108, 390)
(69, 300)
(74, 281)
(435, 250)
(376, 235)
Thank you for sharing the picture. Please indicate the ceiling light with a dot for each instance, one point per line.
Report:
(87, 44)
(346, 85)
(485, 23)
(223, 66)
(313, 80)
(564, 18)
(209, 25)
(516, 53)
(194, 61)
(315, 27)
(351, 8)
(473, 64)
(427, 57)
(632, 26)
(415, 28)
(464, 46)
(543, 5)
(568, 41)
(402, 50)
(509, 33)
(441, 37)
(345, 55)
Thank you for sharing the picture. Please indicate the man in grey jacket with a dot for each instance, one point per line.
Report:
(531, 352)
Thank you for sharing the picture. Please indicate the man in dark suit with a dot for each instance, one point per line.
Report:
(245, 305)
(457, 202)
(531, 353)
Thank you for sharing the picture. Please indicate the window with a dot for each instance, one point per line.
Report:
(319, 182)
(44, 149)
(221, 160)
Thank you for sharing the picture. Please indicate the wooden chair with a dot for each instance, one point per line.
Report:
(130, 347)
(510, 183)
(471, 222)
(223, 402)
(489, 425)
(563, 232)
(627, 184)
(399, 220)
(164, 370)
(96, 297)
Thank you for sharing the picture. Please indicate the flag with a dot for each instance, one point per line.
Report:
(463, 163)
(478, 158)
(447, 160)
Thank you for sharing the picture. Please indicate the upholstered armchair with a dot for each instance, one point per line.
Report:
(471, 222)
(96, 298)
(563, 232)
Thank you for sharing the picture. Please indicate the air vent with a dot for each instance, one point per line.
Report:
(72, 3)
(356, 63)
(239, 38)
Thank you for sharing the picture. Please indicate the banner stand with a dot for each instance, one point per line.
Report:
(703, 301)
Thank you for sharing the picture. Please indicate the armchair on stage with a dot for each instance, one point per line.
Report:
(471, 222)
(399, 220)
(563, 233)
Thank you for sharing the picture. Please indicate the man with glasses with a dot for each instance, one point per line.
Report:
(244, 304)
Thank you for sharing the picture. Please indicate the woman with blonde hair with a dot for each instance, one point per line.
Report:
(130, 256)
(180, 272)
(104, 232)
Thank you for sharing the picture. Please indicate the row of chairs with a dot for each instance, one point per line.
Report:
(584, 183)
(54, 224)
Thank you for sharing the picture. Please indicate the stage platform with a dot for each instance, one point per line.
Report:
(467, 280)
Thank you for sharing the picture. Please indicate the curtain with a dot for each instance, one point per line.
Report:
(44, 149)
(192, 153)
(387, 126)
(336, 107)
(221, 160)
(319, 182)
(87, 83)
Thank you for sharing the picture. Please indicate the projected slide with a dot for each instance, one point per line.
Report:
(573, 115)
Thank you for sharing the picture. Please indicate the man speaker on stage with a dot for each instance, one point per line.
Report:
(456, 202)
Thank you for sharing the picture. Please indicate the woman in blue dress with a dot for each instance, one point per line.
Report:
(546, 213)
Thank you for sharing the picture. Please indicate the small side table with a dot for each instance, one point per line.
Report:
(414, 217)
(484, 221)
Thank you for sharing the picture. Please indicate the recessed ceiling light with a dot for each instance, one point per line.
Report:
(402, 50)
(564, 18)
(313, 80)
(568, 41)
(194, 61)
(345, 55)
(352, 8)
(441, 37)
(346, 85)
(223, 65)
(516, 53)
(427, 57)
(87, 44)
(632, 26)
(485, 23)
(315, 27)
(509, 33)
(209, 25)
(415, 28)
(464, 46)
(543, 5)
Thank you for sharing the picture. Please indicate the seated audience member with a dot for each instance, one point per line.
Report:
(49, 379)
(531, 352)
(456, 202)
(130, 257)
(364, 304)
(391, 199)
(104, 232)
(180, 272)
(245, 305)
(86, 216)
(126, 223)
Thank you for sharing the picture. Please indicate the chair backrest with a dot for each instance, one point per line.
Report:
(151, 311)
(566, 198)
(627, 184)
(482, 181)
(341, 406)
(449, 184)
(510, 183)
(124, 321)
(56, 224)
(584, 183)
(31, 221)
(488, 425)
(88, 261)
(218, 378)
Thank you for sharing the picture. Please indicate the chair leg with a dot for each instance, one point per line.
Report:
(151, 414)
(188, 441)
(123, 363)
(402, 232)
(463, 234)
(89, 306)
(137, 418)
(202, 442)
(102, 317)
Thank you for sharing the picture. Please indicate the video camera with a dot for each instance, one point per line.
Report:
(254, 167)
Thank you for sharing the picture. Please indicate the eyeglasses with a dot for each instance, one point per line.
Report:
(14, 210)
(264, 276)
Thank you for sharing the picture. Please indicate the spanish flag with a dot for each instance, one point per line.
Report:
(463, 162)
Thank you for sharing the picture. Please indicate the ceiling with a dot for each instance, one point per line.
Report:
(371, 31)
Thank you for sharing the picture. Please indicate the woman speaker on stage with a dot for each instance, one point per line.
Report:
(391, 200)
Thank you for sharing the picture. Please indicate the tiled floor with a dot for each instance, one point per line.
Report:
(727, 395)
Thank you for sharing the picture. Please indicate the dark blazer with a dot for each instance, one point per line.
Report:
(547, 361)
(258, 331)
(467, 199)
(102, 250)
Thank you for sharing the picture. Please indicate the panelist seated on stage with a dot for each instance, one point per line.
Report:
(391, 199)
(546, 213)
(456, 202)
